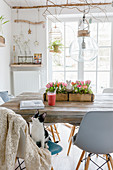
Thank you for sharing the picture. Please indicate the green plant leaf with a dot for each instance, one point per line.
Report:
(5, 22)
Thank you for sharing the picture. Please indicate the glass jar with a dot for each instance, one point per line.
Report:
(51, 98)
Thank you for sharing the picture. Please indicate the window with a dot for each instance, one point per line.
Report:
(98, 71)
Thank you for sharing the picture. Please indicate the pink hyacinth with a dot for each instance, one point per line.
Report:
(82, 83)
(85, 87)
(65, 84)
(88, 82)
(62, 83)
(79, 86)
(51, 84)
(77, 82)
(48, 85)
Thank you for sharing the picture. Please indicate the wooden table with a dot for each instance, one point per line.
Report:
(62, 112)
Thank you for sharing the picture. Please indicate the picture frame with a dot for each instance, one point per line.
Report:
(38, 58)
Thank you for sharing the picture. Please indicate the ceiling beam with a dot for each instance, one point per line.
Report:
(60, 5)
(29, 22)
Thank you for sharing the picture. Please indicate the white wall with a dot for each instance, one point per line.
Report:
(5, 51)
(31, 15)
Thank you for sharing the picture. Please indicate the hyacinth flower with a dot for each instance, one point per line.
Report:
(51, 87)
(82, 87)
(61, 87)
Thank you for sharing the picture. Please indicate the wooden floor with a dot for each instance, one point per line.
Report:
(64, 162)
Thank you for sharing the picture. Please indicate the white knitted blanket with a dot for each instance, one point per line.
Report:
(35, 158)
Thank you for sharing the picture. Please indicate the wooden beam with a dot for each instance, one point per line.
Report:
(28, 22)
(60, 5)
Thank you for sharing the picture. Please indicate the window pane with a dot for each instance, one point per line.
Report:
(91, 76)
(93, 31)
(58, 76)
(104, 34)
(103, 81)
(71, 29)
(71, 76)
(104, 59)
(90, 65)
(70, 63)
(58, 62)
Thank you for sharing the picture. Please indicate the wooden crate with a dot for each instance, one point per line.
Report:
(59, 97)
(81, 97)
(72, 97)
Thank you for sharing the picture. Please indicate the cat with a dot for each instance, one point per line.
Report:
(38, 133)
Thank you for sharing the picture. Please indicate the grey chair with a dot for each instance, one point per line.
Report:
(95, 136)
(108, 90)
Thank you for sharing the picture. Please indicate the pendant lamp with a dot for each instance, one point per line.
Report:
(83, 48)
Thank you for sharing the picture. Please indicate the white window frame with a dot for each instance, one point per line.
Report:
(81, 65)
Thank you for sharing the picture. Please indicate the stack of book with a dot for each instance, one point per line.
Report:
(31, 104)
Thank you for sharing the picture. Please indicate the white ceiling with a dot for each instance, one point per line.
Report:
(43, 2)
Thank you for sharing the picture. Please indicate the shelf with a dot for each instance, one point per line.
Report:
(25, 65)
(2, 45)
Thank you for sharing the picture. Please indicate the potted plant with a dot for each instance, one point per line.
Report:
(81, 91)
(2, 22)
(55, 46)
(61, 93)
(58, 88)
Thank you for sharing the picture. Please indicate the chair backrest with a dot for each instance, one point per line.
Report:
(108, 90)
(95, 134)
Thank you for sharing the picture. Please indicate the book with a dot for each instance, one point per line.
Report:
(31, 104)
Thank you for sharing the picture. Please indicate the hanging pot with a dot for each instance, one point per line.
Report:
(56, 49)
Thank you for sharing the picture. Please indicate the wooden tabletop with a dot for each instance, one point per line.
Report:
(62, 112)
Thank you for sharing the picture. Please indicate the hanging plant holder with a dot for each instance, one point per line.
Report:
(2, 41)
(55, 46)
(55, 33)
(56, 49)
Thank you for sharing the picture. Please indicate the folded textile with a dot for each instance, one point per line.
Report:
(10, 125)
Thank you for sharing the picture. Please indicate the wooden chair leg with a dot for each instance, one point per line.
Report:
(108, 163)
(70, 141)
(52, 168)
(111, 161)
(87, 163)
(57, 132)
(52, 133)
(68, 125)
(79, 162)
(70, 134)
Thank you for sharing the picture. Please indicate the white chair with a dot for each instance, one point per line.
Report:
(95, 136)
(108, 90)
